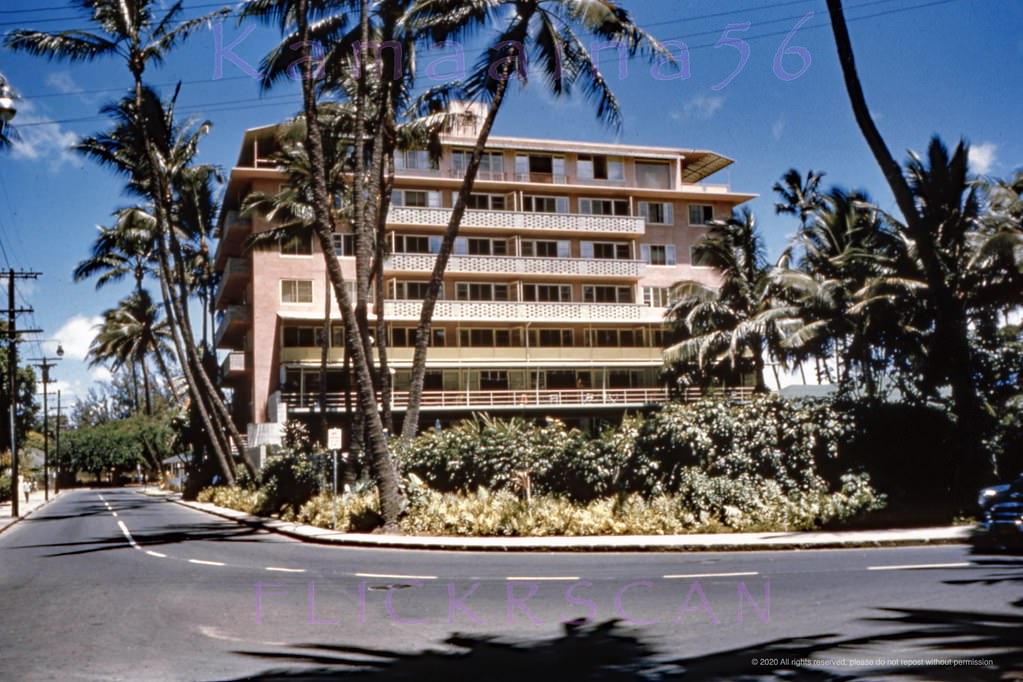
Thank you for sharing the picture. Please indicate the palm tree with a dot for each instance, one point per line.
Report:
(548, 31)
(129, 335)
(728, 328)
(799, 197)
(130, 30)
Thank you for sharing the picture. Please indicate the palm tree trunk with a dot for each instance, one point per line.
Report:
(383, 469)
(145, 387)
(410, 426)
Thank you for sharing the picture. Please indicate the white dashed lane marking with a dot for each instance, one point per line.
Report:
(131, 540)
(909, 567)
(542, 577)
(735, 574)
(285, 570)
(156, 554)
(206, 563)
(396, 575)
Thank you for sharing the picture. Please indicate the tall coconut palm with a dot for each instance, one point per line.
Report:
(130, 335)
(548, 33)
(122, 250)
(130, 30)
(798, 196)
(735, 323)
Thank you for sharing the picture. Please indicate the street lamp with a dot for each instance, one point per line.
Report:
(44, 364)
(7, 108)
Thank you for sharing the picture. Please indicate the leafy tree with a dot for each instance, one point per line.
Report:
(727, 329)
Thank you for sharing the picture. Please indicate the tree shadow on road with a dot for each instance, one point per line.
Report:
(909, 644)
(167, 535)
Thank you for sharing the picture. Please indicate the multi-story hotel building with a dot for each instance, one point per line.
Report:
(553, 302)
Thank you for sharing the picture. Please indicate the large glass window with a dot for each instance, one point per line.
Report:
(543, 248)
(296, 291)
(481, 291)
(414, 159)
(658, 254)
(539, 168)
(297, 245)
(416, 198)
(412, 243)
(606, 250)
(604, 206)
(491, 164)
(487, 202)
(606, 294)
(551, 338)
(301, 337)
(558, 293)
(653, 175)
(600, 167)
(540, 204)
(409, 291)
(479, 246)
(344, 244)
(657, 212)
(700, 214)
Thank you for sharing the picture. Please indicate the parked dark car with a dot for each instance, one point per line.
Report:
(1001, 516)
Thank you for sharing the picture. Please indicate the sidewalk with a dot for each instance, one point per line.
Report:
(603, 543)
(36, 499)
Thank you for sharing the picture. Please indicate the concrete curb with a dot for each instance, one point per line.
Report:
(606, 543)
(8, 522)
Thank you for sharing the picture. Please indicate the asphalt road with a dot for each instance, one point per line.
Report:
(110, 585)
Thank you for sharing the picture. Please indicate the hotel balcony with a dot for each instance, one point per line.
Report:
(232, 238)
(503, 356)
(520, 265)
(233, 365)
(523, 311)
(521, 399)
(233, 324)
(233, 280)
(518, 220)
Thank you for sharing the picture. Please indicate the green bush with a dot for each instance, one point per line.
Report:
(241, 499)
(289, 480)
(5, 488)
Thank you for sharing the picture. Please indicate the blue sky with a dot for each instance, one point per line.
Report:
(949, 67)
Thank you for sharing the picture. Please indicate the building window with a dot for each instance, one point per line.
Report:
(494, 380)
(539, 204)
(551, 338)
(606, 294)
(344, 244)
(541, 248)
(478, 246)
(296, 291)
(657, 212)
(481, 291)
(658, 254)
(418, 198)
(414, 159)
(653, 175)
(413, 243)
(557, 293)
(615, 338)
(410, 291)
(700, 214)
(599, 167)
(606, 250)
(301, 337)
(405, 337)
(297, 245)
(604, 206)
(657, 297)
(489, 338)
(491, 164)
(539, 168)
(487, 202)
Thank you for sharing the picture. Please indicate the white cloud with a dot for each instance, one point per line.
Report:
(76, 334)
(778, 128)
(39, 138)
(983, 156)
(62, 81)
(701, 107)
(101, 374)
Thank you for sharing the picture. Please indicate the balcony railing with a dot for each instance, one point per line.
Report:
(233, 277)
(524, 398)
(234, 364)
(520, 265)
(519, 220)
(523, 311)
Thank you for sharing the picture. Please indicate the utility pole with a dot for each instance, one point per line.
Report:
(56, 482)
(44, 365)
(12, 373)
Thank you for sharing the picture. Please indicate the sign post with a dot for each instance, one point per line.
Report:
(334, 444)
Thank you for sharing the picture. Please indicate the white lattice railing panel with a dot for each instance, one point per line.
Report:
(520, 265)
(516, 220)
(522, 311)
